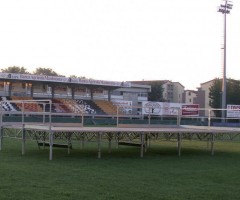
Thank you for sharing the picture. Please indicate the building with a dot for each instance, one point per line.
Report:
(178, 90)
(172, 91)
(190, 96)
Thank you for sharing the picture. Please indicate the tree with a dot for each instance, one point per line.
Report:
(15, 69)
(156, 93)
(45, 71)
(215, 94)
(74, 76)
(233, 92)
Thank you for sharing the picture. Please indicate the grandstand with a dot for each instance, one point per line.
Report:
(69, 95)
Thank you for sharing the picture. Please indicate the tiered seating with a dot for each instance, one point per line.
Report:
(72, 105)
(81, 106)
(106, 106)
(28, 106)
(59, 107)
(99, 107)
(89, 107)
(7, 106)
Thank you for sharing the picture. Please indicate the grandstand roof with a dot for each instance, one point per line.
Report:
(60, 79)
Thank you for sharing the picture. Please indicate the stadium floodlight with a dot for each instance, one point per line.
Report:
(224, 9)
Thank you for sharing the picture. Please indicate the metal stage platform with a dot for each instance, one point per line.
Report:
(62, 135)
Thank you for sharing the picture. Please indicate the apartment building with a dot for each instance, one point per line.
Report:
(172, 91)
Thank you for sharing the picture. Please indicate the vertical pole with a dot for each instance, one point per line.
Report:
(69, 142)
(224, 66)
(82, 140)
(99, 144)
(109, 142)
(212, 144)
(224, 9)
(117, 139)
(1, 125)
(149, 120)
(50, 114)
(179, 138)
(23, 112)
(44, 110)
(117, 115)
(50, 145)
(50, 132)
(23, 139)
(179, 117)
(209, 117)
(146, 142)
(23, 130)
(142, 143)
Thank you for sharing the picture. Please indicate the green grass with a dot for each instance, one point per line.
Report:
(160, 174)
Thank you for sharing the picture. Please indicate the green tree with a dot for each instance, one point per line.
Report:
(215, 94)
(74, 76)
(233, 91)
(15, 69)
(45, 71)
(156, 93)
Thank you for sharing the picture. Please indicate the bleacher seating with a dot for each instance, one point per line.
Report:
(72, 105)
(27, 106)
(89, 107)
(60, 107)
(81, 106)
(97, 107)
(7, 106)
(106, 106)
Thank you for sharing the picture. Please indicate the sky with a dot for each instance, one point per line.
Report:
(121, 40)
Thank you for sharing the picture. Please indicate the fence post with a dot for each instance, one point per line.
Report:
(179, 117)
(209, 117)
(117, 115)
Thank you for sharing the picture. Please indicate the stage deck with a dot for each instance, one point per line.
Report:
(65, 127)
(142, 133)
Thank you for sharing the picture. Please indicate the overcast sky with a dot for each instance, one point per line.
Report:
(121, 40)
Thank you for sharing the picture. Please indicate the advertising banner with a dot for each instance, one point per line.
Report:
(160, 108)
(190, 110)
(233, 111)
(171, 109)
(124, 106)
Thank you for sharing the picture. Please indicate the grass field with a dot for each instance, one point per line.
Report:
(160, 174)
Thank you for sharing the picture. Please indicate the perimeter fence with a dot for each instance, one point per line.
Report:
(45, 111)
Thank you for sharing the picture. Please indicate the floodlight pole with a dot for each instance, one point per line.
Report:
(224, 9)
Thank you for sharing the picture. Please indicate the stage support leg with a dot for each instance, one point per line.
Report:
(99, 144)
(69, 142)
(142, 138)
(50, 145)
(82, 140)
(23, 140)
(117, 139)
(109, 142)
(146, 141)
(179, 138)
(212, 144)
(44, 138)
